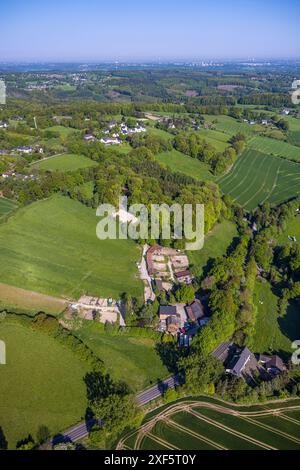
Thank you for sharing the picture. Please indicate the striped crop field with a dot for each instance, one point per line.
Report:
(258, 177)
(209, 424)
(275, 147)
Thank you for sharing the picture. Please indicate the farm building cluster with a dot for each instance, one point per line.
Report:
(98, 309)
(242, 363)
(112, 135)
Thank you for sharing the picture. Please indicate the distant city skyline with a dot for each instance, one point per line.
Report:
(95, 31)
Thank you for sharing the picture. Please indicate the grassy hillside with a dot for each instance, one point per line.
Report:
(41, 384)
(132, 359)
(257, 177)
(6, 206)
(178, 162)
(66, 162)
(51, 247)
(273, 333)
(275, 147)
(215, 245)
(62, 130)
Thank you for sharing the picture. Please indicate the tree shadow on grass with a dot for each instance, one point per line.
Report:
(290, 323)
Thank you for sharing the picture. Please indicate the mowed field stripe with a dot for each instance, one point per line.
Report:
(269, 428)
(262, 188)
(160, 441)
(195, 434)
(231, 431)
(289, 418)
(254, 182)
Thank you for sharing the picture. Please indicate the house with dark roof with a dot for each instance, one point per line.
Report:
(243, 365)
(167, 310)
(273, 364)
(195, 310)
(173, 323)
(222, 352)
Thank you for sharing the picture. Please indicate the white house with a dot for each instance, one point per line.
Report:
(89, 138)
(25, 149)
(110, 141)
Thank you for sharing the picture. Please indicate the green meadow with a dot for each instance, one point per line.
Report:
(51, 247)
(178, 162)
(6, 206)
(215, 245)
(274, 333)
(65, 162)
(41, 384)
(62, 130)
(129, 358)
(231, 126)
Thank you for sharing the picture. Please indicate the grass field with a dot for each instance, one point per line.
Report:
(209, 424)
(274, 333)
(62, 130)
(218, 139)
(65, 162)
(160, 133)
(178, 162)
(216, 243)
(6, 206)
(51, 247)
(292, 229)
(128, 358)
(231, 126)
(275, 147)
(41, 384)
(294, 130)
(258, 177)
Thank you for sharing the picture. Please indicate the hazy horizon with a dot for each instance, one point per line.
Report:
(94, 32)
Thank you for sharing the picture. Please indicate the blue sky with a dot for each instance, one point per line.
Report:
(95, 30)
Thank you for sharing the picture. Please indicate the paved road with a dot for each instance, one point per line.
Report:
(81, 430)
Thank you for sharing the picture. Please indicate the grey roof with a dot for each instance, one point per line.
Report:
(241, 361)
(167, 310)
(222, 351)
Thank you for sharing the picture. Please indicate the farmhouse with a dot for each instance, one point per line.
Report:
(184, 277)
(243, 365)
(195, 310)
(25, 149)
(173, 323)
(110, 141)
(89, 138)
(273, 364)
(169, 319)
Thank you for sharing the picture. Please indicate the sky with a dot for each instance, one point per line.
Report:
(148, 30)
